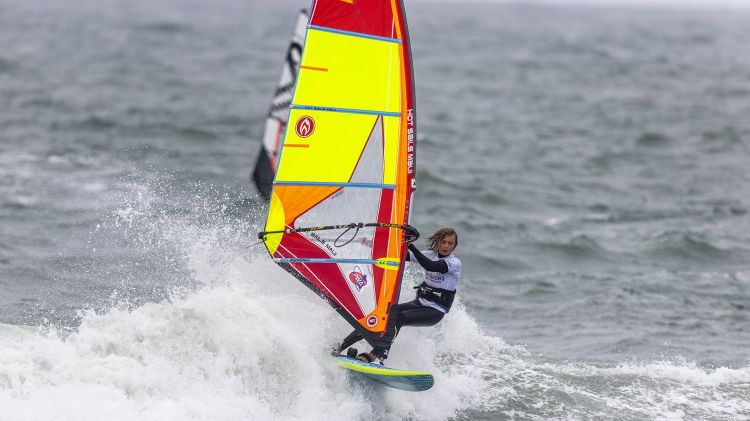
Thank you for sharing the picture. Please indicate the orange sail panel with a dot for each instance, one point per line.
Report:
(345, 177)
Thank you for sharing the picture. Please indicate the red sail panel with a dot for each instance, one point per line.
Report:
(370, 17)
(325, 277)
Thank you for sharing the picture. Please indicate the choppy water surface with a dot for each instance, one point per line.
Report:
(594, 160)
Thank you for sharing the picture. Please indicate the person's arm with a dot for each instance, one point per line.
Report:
(426, 263)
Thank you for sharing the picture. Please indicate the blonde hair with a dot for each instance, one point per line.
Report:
(434, 240)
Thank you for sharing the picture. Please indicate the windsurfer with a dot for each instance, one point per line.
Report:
(434, 295)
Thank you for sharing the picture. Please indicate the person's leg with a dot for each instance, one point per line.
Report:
(412, 313)
(355, 336)
(419, 315)
(350, 340)
(411, 305)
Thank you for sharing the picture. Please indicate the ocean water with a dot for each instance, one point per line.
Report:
(593, 159)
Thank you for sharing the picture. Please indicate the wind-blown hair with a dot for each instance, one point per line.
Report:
(434, 240)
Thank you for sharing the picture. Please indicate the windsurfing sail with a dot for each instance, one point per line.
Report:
(265, 166)
(342, 194)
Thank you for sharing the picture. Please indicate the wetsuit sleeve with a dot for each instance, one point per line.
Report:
(427, 264)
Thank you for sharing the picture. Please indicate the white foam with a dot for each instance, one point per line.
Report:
(251, 343)
(686, 372)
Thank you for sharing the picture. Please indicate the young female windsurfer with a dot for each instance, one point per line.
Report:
(434, 295)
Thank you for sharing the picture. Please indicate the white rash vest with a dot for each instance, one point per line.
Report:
(448, 280)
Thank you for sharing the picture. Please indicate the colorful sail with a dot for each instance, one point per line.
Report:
(265, 166)
(342, 193)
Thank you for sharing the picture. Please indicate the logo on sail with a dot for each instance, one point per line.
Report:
(372, 321)
(358, 278)
(305, 126)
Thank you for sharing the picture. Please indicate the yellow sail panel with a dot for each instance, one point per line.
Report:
(391, 131)
(343, 71)
(275, 222)
(330, 153)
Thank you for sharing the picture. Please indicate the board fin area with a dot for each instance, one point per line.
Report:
(412, 381)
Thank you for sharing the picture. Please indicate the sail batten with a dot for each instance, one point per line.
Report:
(364, 261)
(354, 34)
(346, 110)
(330, 184)
(348, 155)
